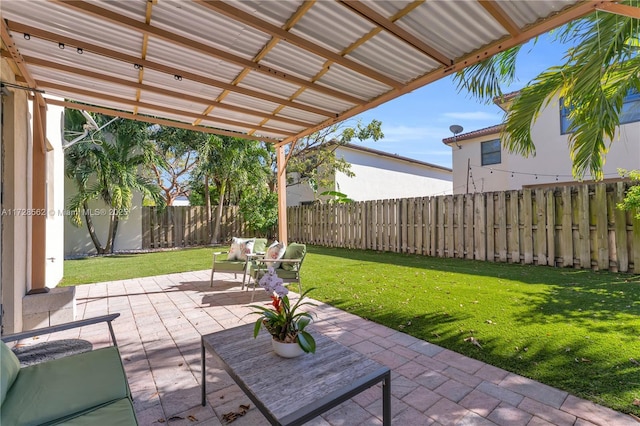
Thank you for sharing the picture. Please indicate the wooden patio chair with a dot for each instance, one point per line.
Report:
(288, 267)
(221, 264)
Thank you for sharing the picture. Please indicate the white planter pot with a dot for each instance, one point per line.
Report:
(287, 350)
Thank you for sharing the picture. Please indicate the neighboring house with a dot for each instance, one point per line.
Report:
(379, 175)
(481, 164)
(181, 200)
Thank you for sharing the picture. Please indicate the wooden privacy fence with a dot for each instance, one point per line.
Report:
(571, 226)
(183, 226)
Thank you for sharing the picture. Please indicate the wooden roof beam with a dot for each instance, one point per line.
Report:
(145, 45)
(377, 19)
(561, 18)
(620, 9)
(36, 32)
(161, 91)
(275, 31)
(374, 31)
(139, 104)
(298, 14)
(501, 16)
(18, 60)
(155, 120)
(173, 38)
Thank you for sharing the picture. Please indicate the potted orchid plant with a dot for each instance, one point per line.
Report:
(284, 321)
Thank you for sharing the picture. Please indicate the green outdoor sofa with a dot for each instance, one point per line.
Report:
(221, 264)
(89, 388)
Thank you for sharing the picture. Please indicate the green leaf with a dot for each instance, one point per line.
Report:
(303, 322)
(307, 342)
(256, 328)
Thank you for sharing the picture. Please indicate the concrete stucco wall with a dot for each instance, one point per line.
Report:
(379, 177)
(55, 197)
(551, 164)
(77, 240)
(16, 180)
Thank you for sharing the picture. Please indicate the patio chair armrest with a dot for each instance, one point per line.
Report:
(62, 327)
(281, 260)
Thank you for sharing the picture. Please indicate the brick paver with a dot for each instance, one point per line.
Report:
(163, 317)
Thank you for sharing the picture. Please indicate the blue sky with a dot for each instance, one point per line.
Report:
(415, 124)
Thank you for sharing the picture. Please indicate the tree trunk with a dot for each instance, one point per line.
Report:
(216, 231)
(113, 234)
(92, 229)
(207, 206)
(108, 248)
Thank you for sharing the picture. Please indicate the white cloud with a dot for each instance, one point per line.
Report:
(413, 133)
(475, 115)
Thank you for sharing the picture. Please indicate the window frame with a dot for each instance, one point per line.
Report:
(483, 154)
(631, 115)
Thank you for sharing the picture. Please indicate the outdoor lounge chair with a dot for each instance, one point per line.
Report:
(288, 268)
(221, 264)
(88, 388)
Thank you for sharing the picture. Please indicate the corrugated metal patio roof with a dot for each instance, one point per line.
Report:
(267, 70)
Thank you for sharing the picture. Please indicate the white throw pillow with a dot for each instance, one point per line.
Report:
(240, 248)
(274, 252)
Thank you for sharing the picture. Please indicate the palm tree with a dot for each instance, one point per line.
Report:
(109, 171)
(596, 76)
(229, 163)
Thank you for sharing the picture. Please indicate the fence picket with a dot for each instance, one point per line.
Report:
(620, 232)
(551, 227)
(480, 227)
(602, 237)
(491, 227)
(527, 226)
(514, 234)
(501, 240)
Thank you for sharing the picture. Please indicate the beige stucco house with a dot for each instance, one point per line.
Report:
(480, 164)
(379, 175)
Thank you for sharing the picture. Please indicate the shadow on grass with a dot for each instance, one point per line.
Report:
(577, 330)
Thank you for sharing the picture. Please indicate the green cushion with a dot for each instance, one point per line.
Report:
(117, 413)
(260, 246)
(286, 275)
(229, 266)
(52, 390)
(293, 251)
(9, 369)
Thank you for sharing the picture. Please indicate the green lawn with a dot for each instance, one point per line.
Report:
(575, 330)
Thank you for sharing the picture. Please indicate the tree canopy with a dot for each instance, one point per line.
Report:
(108, 170)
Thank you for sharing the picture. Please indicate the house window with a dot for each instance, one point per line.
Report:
(490, 152)
(630, 111)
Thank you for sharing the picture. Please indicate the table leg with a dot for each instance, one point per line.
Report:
(204, 375)
(386, 400)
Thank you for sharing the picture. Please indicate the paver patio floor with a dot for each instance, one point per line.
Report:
(163, 317)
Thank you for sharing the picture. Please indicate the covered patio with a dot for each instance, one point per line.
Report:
(269, 71)
(163, 317)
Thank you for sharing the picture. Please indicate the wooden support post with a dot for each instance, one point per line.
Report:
(282, 194)
(39, 202)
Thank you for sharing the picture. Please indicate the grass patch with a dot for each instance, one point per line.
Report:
(572, 329)
(124, 266)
